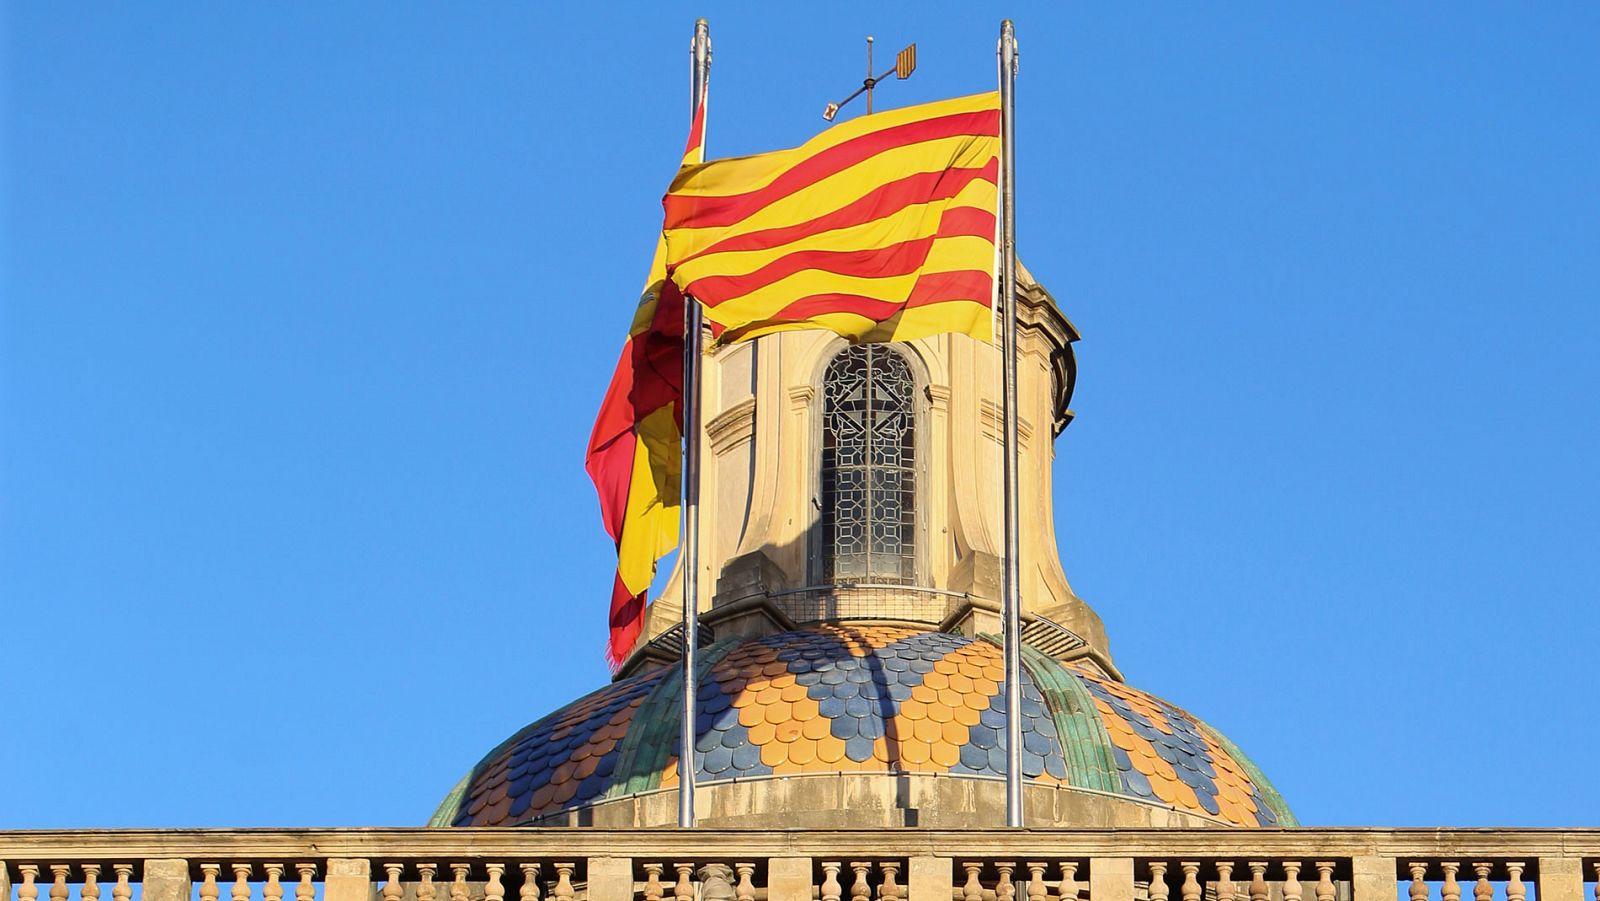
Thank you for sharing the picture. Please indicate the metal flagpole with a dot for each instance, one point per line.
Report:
(1011, 574)
(700, 52)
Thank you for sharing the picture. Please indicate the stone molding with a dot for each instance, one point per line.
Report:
(731, 427)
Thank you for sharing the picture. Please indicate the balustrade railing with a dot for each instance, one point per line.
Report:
(809, 865)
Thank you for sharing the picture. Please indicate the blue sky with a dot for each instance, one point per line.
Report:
(305, 312)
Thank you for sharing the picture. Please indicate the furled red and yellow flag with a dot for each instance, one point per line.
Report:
(881, 228)
(635, 454)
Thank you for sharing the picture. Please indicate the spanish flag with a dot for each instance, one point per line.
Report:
(635, 454)
(881, 228)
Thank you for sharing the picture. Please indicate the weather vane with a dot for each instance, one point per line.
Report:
(905, 62)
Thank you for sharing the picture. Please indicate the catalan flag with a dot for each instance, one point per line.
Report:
(635, 454)
(881, 228)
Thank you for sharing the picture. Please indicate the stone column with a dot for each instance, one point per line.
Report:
(1111, 879)
(1560, 879)
(166, 880)
(348, 879)
(610, 879)
(930, 878)
(789, 879)
(1373, 879)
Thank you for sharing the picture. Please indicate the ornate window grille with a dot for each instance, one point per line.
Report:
(868, 468)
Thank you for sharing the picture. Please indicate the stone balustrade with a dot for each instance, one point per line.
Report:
(802, 865)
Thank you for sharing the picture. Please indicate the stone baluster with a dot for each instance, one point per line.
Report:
(889, 890)
(860, 890)
(241, 882)
(684, 889)
(1190, 890)
(425, 888)
(91, 883)
(830, 880)
(746, 889)
(1004, 888)
(1036, 889)
(1597, 881)
(273, 890)
(530, 883)
(1068, 889)
(209, 890)
(1291, 880)
(1483, 890)
(28, 890)
(392, 890)
(1515, 890)
(305, 891)
(458, 884)
(58, 884)
(1325, 890)
(123, 889)
(1158, 883)
(563, 890)
(1451, 889)
(652, 881)
(494, 889)
(1258, 880)
(1419, 884)
(1224, 886)
(973, 890)
(716, 882)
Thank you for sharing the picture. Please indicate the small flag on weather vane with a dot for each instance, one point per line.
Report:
(905, 62)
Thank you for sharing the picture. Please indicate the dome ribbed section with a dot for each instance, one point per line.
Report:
(865, 699)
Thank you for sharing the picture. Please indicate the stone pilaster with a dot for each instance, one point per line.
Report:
(1111, 878)
(348, 879)
(789, 879)
(166, 880)
(1560, 879)
(610, 879)
(929, 878)
(1373, 879)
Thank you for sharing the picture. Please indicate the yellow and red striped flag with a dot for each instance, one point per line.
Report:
(635, 454)
(881, 228)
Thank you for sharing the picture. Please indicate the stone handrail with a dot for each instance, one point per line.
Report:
(801, 865)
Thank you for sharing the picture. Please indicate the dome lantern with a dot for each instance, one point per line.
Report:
(848, 671)
(839, 484)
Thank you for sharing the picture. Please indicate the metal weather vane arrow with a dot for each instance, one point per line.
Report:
(905, 62)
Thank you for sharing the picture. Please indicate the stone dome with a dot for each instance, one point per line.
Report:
(862, 724)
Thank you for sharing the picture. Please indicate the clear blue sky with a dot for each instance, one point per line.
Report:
(307, 309)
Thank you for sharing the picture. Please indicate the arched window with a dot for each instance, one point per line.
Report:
(869, 468)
